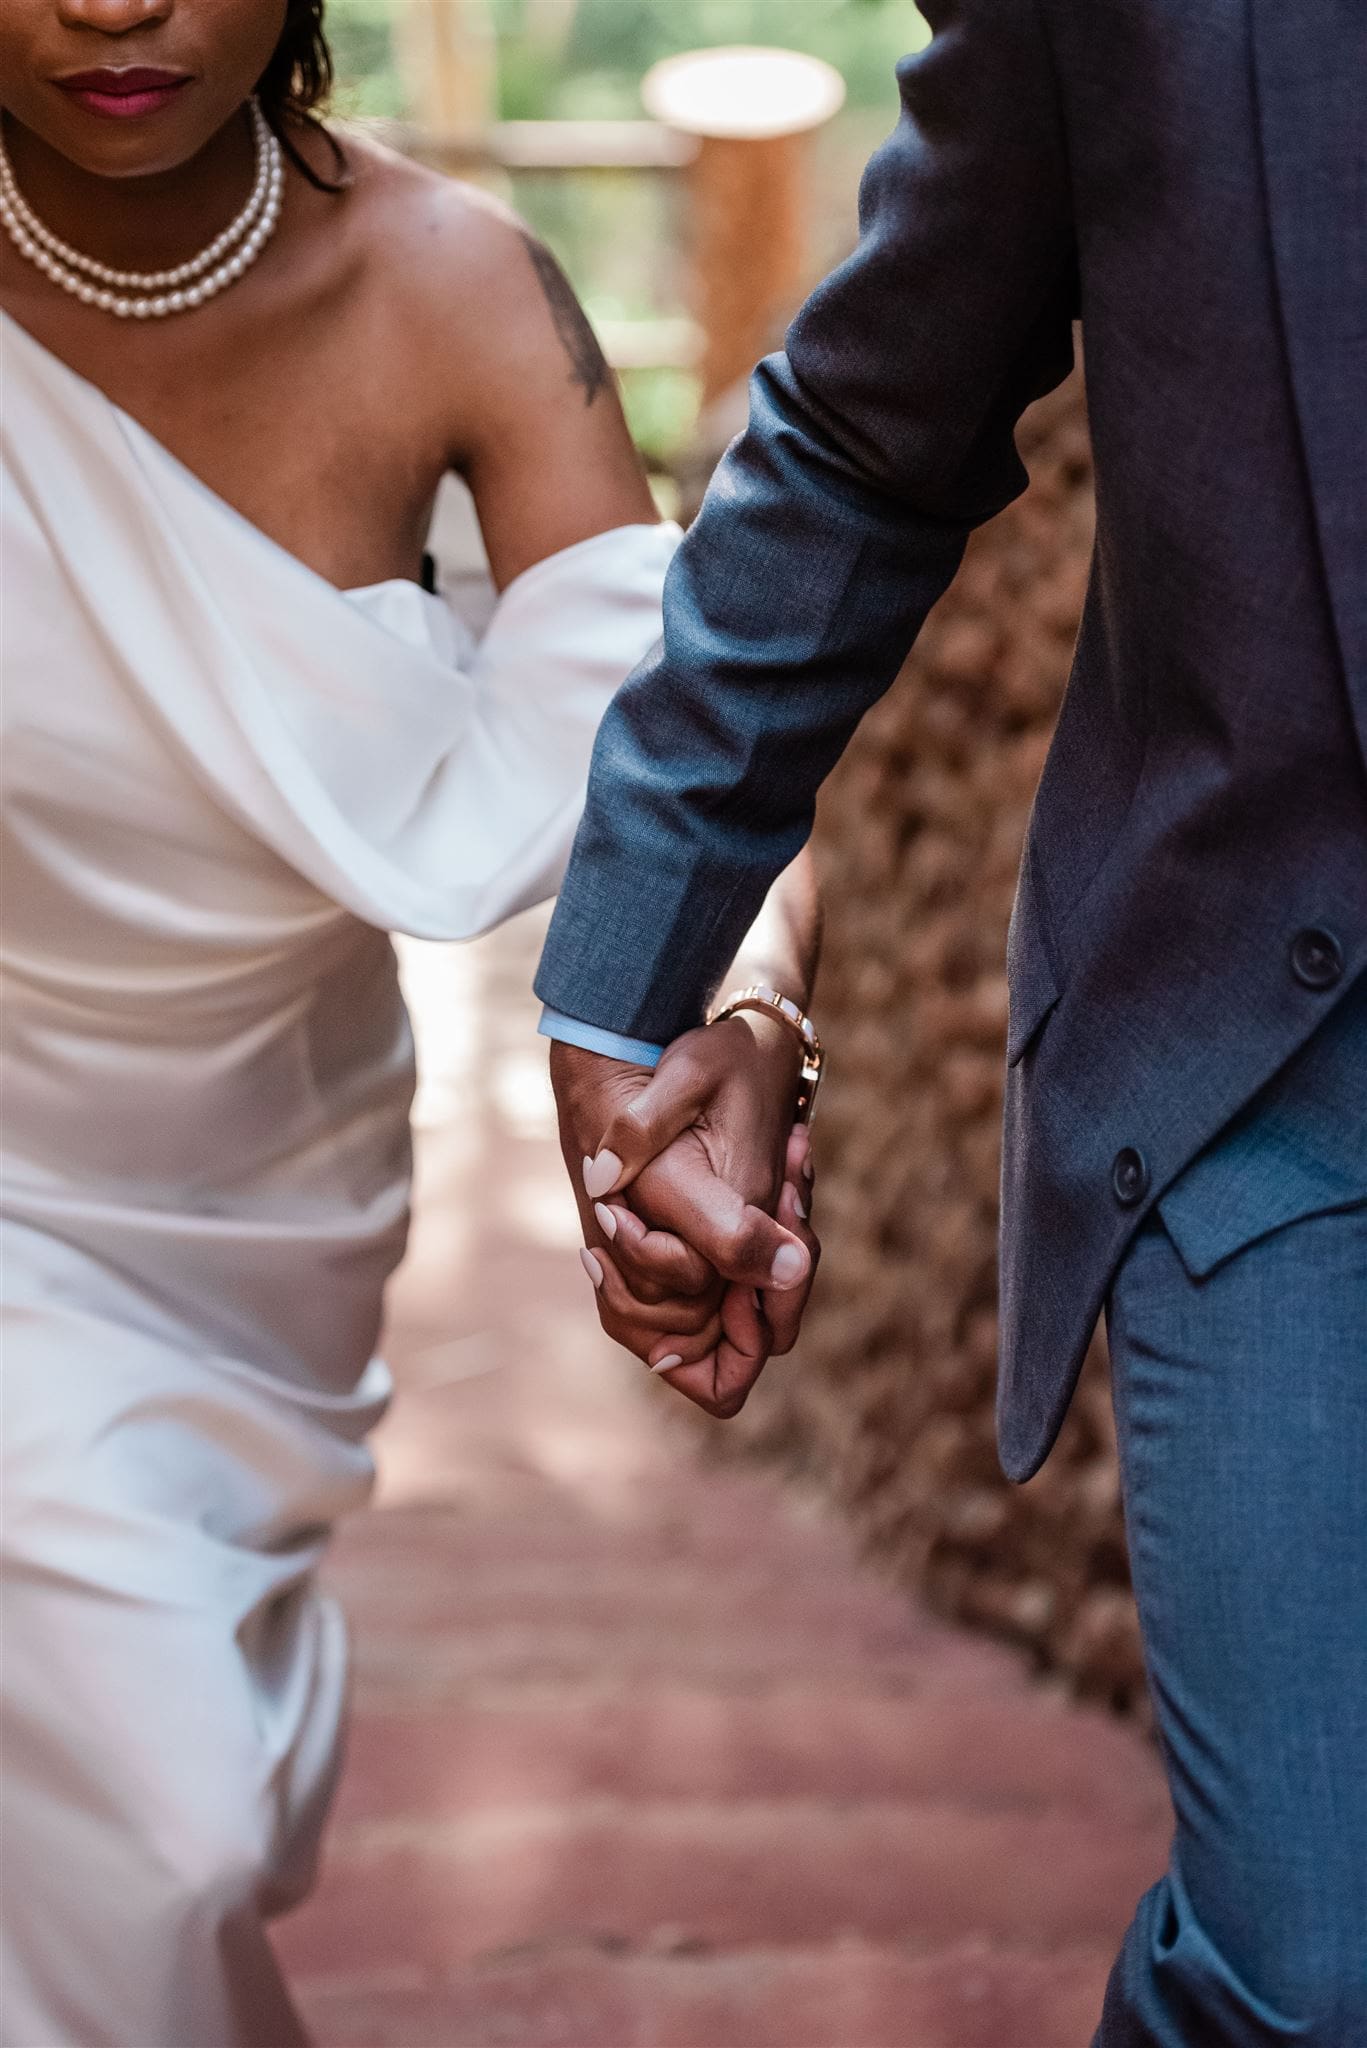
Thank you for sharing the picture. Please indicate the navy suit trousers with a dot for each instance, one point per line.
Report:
(1239, 1354)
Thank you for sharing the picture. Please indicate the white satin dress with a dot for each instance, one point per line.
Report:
(226, 783)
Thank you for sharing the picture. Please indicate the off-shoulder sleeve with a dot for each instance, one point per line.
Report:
(489, 833)
(436, 792)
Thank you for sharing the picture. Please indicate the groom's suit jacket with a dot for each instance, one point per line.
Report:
(1190, 181)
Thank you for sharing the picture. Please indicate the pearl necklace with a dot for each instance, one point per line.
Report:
(152, 294)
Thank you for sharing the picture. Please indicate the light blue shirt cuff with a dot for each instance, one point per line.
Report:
(638, 1052)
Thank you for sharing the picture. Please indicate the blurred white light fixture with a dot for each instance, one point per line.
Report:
(743, 92)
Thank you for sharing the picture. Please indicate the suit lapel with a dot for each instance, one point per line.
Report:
(1311, 67)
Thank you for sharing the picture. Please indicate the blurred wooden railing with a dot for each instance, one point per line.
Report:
(546, 146)
(571, 149)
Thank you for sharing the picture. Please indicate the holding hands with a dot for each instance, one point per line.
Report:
(694, 1190)
(694, 1186)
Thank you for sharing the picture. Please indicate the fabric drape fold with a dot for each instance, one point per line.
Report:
(427, 781)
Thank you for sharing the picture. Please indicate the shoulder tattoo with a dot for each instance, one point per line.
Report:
(588, 365)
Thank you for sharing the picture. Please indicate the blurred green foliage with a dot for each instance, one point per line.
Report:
(662, 409)
(587, 57)
(367, 77)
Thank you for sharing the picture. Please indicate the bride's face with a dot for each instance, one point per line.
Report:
(124, 88)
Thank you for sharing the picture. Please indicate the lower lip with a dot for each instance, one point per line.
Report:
(124, 106)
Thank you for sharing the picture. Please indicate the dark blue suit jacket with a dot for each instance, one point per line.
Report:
(1192, 181)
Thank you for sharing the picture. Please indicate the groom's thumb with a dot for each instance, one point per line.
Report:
(739, 1240)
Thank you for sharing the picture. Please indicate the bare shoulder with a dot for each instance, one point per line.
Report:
(466, 281)
(478, 340)
(426, 234)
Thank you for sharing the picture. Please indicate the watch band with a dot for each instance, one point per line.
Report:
(772, 1003)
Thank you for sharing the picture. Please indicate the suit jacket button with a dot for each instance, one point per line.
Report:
(1316, 958)
(1130, 1177)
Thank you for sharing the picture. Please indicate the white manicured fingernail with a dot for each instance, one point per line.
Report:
(591, 1267)
(800, 1206)
(668, 1364)
(601, 1174)
(808, 1170)
(607, 1222)
(790, 1265)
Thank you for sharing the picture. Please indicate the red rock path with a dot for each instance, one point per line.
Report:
(641, 1757)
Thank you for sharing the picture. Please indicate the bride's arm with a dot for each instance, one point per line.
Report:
(534, 420)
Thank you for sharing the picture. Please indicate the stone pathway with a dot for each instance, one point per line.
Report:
(642, 1758)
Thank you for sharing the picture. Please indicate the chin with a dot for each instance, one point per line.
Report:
(136, 146)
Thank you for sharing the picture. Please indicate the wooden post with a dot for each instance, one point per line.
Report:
(752, 111)
(447, 57)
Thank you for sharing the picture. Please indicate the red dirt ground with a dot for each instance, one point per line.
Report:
(642, 1756)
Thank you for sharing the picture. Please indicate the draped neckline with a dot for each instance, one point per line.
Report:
(431, 788)
(354, 597)
(129, 421)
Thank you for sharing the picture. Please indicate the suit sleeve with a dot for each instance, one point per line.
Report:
(876, 442)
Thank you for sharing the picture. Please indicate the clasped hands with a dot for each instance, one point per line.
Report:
(695, 1191)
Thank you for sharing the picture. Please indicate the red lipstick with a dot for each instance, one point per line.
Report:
(123, 93)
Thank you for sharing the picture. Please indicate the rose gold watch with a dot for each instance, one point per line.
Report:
(770, 1002)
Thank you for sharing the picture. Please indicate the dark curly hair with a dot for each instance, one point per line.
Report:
(295, 85)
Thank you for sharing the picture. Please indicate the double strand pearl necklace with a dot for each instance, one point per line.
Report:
(152, 294)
